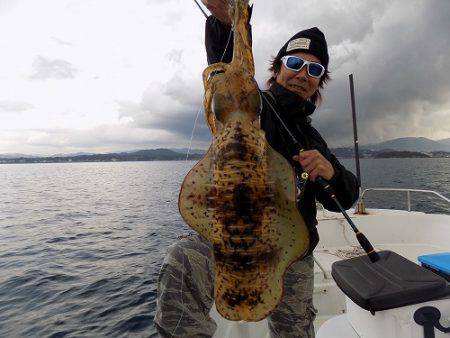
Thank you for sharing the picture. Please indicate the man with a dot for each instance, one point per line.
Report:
(186, 285)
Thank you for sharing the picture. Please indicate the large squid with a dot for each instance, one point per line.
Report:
(241, 196)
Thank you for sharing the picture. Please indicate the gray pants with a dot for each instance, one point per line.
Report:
(186, 294)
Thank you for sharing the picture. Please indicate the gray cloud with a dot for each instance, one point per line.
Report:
(175, 56)
(397, 50)
(341, 20)
(171, 107)
(10, 106)
(6, 5)
(45, 68)
(102, 139)
(61, 42)
(400, 73)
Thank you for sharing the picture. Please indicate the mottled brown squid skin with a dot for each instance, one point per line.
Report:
(244, 199)
(242, 196)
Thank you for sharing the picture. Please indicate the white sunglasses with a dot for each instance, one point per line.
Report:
(296, 63)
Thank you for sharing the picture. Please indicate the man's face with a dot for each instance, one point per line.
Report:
(299, 82)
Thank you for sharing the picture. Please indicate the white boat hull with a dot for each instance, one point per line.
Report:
(394, 323)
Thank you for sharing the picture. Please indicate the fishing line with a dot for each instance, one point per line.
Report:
(182, 302)
(192, 134)
(198, 112)
(296, 142)
(187, 155)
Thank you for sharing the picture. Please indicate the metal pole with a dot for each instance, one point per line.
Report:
(355, 131)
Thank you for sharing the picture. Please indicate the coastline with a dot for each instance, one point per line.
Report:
(168, 155)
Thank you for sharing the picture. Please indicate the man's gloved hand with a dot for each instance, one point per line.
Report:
(220, 9)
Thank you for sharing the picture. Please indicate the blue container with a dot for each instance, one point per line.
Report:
(438, 263)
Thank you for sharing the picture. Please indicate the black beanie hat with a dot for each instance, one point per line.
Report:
(310, 41)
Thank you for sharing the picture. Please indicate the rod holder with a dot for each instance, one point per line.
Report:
(428, 317)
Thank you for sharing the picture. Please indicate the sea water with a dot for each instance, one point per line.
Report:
(81, 244)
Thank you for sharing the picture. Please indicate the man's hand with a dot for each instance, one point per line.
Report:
(220, 9)
(313, 162)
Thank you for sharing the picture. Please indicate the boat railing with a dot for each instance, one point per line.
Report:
(360, 208)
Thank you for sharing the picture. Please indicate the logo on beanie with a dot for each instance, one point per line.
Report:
(300, 43)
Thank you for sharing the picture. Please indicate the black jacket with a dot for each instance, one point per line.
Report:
(294, 112)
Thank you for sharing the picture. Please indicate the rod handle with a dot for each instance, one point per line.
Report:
(368, 248)
(325, 186)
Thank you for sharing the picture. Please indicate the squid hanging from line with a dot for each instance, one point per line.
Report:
(241, 196)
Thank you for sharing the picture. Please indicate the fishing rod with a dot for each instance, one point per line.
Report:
(204, 13)
(325, 185)
(359, 208)
(355, 129)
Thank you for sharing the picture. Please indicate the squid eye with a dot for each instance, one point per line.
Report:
(216, 72)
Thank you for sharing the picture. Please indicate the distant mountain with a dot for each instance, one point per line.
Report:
(159, 153)
(401, 154)
(412, 145)
(191, 151)
(18, 156)
(140, 155)
(418, 144)
(445, 141)
(344, 152)
(71, 155)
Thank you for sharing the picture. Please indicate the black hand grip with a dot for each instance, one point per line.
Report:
(365, 244)
(325, 186)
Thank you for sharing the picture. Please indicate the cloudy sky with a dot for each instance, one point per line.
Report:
(110, 75)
